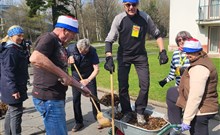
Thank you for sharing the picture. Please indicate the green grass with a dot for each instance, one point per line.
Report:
(157, 73)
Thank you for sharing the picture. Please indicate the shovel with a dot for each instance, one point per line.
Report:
(104, 122)
(112, 103)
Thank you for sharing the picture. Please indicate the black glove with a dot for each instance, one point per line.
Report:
(182, 69)
(109, 64)
(163, 59)
(163, 82)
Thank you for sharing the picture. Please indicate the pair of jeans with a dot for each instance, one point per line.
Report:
(13, 119)
(53, 114)
(142, 68)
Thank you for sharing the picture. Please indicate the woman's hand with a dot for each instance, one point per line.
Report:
(16, 95)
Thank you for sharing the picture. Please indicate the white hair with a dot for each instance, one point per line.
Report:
(83, 44)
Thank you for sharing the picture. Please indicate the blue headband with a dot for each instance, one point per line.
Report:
(132, 1)
(15, 31)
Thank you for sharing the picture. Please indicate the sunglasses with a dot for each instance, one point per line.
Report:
(129, 4)
(181, 39)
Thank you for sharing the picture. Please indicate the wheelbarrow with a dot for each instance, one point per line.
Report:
(129, 129)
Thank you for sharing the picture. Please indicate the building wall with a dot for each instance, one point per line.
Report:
(183, 16)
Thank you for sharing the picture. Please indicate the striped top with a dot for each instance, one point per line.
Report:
(179, 59)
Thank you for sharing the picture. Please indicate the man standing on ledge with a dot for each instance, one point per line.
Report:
(132, 26)
(50, 64)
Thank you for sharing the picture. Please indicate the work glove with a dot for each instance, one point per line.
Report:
(185, 127)
(163, 82)
(182, 69)
(109, 64)
(163, 59)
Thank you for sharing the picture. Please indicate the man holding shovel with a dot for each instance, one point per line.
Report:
(132, 26)
(50, 75)
(85, 68)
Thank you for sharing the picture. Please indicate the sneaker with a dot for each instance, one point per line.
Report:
(127, 117)
(140, 119)
(77, 127)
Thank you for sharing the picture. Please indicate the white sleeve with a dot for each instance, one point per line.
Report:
(198, 77)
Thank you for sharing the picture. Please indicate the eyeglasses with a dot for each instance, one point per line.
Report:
(181, 39)
(129, 4)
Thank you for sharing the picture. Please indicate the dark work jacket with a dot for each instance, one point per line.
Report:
(83, 63)
(14, 73)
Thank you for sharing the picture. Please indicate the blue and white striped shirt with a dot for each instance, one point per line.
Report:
(179, 59)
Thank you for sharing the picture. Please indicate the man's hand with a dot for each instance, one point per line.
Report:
(163, 82)
(163, 59)
(185, 127)
(66, 80)
(71, 60)
(109, 64)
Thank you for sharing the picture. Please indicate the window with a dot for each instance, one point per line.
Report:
(214, 40)
(214, 9)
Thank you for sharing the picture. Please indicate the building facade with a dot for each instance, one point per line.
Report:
(199, 17)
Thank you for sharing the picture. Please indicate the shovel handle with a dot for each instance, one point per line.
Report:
(95, 104)
(80, 76)
(112, 103)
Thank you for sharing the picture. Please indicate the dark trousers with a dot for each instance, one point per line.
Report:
(174, 112)
(199, 125)
(77, 102)
(142, 69)
(13, 119)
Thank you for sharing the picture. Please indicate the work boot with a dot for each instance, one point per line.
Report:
(77, 127)
(127, 117)
(140, 119)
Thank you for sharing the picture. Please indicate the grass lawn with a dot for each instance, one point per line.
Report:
(157, 73)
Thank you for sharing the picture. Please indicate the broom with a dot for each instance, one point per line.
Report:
(104, 122)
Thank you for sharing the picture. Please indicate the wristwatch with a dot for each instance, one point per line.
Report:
(82, 86)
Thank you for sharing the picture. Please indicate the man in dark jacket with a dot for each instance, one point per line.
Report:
(86, 60)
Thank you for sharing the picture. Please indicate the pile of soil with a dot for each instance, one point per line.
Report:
(106, 99)
(153, 123)
(3, 108)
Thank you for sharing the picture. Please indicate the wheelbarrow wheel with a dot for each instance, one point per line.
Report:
(117, 131)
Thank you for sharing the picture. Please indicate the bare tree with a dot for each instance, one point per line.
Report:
(18, 15)
(159, 12)
(106, 11)
(90, 21)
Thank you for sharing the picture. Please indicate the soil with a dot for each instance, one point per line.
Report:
(106, 100)
(3, 108)
(153, 123)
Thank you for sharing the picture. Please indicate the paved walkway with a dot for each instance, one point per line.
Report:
(32, 121)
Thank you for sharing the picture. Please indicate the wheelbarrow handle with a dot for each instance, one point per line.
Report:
(178, 126)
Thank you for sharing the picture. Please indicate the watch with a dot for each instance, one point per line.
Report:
(82, 86)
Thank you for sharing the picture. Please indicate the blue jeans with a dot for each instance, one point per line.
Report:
(54, 116)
